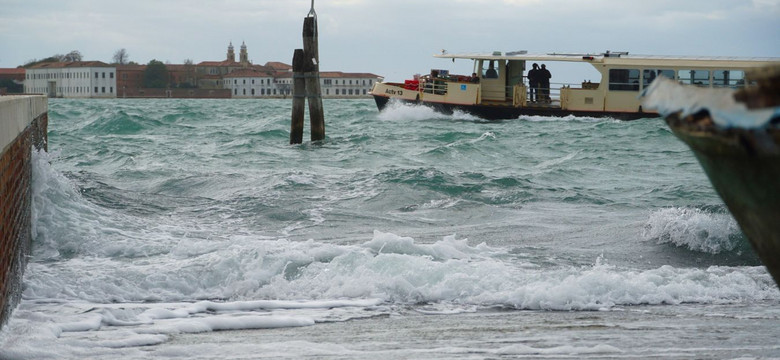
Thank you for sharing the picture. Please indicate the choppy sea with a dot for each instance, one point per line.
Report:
(191, 229)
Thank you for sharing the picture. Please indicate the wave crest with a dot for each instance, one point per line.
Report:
(694, 228)
(398, 111)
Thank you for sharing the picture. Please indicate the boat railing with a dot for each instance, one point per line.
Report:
(438, 87)
(546, 94)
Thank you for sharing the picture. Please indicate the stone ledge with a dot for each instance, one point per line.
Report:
(17, 113)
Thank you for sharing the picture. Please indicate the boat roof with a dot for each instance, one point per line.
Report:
(618, 58)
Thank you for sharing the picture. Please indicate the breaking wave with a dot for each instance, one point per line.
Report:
(693, 228)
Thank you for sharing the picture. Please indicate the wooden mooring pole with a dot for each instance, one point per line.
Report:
(306, 75)
(312, 74)
(299, 98)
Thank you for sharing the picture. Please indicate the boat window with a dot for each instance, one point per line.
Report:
(624, 79)
(728, 78)
(648, 75)
(694, 77)
(489, 69)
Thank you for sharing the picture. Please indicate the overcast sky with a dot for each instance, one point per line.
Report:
(391, 38)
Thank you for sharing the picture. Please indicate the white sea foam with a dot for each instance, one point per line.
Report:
(558, 350)
(693, 228)
(78, 327)
(221, 322)
(441, 203)
(129, 340)
(395, 111)
(91, 322)
(449, 248)
(460, 115)
(389, 267)
(87, 287)
(485, 136)
(540, 118)
(554, 163)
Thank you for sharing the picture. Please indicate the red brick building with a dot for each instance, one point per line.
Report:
(12, 80)
(238, 79)
(129, 77)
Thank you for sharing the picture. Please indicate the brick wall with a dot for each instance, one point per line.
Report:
(25, 117)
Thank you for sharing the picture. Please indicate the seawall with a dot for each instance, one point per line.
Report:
(23, 124)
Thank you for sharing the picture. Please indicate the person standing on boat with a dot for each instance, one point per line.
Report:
(491, 72)
(544, 82)
(533, 82)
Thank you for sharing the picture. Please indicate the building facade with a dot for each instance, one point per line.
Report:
(129, 78)
(78, 79)
(226, 78)
(275, 79)
(210, 73)
(12, 80)
(249, 83)
(336, 84)
(13, 74)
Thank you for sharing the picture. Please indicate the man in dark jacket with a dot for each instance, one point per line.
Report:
(544, 83)
(533, 82)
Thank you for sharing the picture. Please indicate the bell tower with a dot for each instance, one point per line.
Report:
(231, 55)
(243, 55)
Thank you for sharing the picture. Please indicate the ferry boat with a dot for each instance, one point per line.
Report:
(498, 88)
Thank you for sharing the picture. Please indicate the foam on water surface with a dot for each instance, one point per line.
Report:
(137, 252)
(398, 111)
(695, 229)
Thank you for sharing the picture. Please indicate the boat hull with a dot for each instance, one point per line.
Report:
(506, 112)
(743, 167)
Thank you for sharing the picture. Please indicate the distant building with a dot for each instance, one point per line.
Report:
(226, 78)
(13, 74)
(275, 79)
(129, 78)
(278, 66)
(340, 84)
(210, 73)
(247, 83)
(182, 75)
(78, 79)
(333, 84)
(12, 80)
